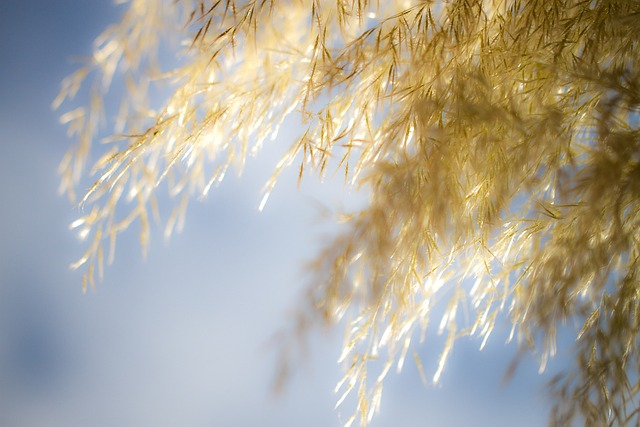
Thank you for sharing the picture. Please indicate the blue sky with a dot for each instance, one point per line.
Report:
(180, 338)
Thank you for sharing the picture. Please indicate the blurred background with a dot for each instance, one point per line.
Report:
(182, 338)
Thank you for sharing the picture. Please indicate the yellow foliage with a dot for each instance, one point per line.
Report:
(498, 139)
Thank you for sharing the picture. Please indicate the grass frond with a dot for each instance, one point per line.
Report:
(498, 142)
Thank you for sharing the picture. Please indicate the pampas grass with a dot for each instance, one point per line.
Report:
(498, 142)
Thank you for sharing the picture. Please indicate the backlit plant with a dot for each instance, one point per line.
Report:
(498, 142)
